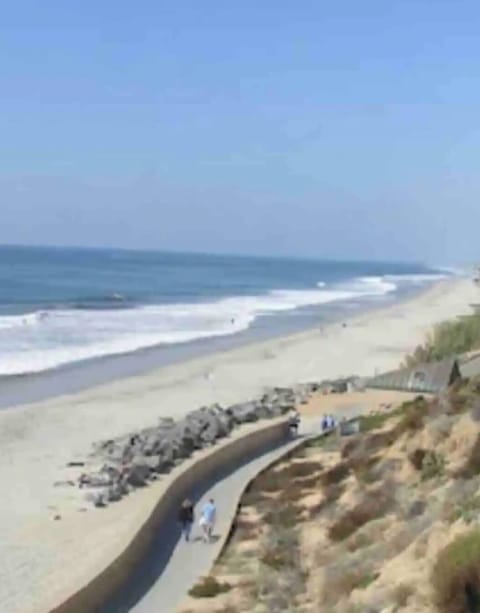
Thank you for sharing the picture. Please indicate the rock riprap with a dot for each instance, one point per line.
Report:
(118, 466)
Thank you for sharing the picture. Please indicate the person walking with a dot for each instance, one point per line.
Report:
(293, 421)
(207, 520)
(186, 517)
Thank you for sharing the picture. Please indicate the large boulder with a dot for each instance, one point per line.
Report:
(244, 412)
(138, 473)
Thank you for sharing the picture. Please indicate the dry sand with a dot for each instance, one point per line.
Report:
(36, 441)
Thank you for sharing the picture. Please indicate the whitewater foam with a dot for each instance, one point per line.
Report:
(48, 339)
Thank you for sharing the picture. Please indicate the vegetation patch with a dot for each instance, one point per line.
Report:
(366, 470)
(448, 338)
(283, 515)
(468, 510)
(336, 474)
(345, 576)
(374, 505)
(401, 593)
(433, 465)
(358, 541)
(244, 530)
(413, 417)
(209, 587)
(416, 458)
(471, 468)
(374, 422)
(456, 575)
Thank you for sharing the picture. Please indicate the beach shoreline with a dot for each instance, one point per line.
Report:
(76, 377)
(38, 440)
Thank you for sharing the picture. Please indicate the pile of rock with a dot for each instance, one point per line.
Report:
(117, 466)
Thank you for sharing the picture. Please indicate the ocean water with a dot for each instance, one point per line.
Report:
(63, 306)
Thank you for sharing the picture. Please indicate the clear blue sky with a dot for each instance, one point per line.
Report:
(340, 129)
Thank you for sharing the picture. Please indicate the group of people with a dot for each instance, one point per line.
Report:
(328, 423)
(208, 516)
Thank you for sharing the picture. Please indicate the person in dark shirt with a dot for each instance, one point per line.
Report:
(186, 517)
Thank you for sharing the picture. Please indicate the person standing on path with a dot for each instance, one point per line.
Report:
(207, 520)
(293, 421)
(186, 518)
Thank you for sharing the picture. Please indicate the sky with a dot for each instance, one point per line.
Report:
(322, 129)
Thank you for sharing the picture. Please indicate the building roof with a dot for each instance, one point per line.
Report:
(429, 378)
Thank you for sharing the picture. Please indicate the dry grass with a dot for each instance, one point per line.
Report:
(336, 474)
(468, 510)
(456, 575)
(245, 529)
(401, 593)
(331, 494)
(433, 465)
(283, 515)
(358, 541)
(374, 505)
(344, 576)
(471, 467)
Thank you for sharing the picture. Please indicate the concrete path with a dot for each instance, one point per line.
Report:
(160, 585)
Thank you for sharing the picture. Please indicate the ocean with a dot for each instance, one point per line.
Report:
(63, 306)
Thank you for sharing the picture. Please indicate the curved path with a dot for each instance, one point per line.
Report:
(161, 583)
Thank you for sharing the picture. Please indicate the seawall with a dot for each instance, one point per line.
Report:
(224, 457)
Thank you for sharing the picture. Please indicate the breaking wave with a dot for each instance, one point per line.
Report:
(50, 338)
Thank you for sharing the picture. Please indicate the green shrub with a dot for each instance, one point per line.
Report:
(456, 575)
(413, 415)
(373, 422)
(433, 465)
(448, 338)
(416, 458)
(209, 587)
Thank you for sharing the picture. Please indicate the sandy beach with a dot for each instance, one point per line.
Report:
(44, 559)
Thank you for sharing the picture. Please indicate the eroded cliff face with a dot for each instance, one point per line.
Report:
(382, 521)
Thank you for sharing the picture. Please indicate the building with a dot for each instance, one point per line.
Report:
(428, 378)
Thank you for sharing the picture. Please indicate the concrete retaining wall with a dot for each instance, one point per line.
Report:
(227, 455)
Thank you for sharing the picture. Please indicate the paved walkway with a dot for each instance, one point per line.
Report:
(161, 583)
